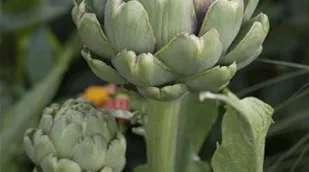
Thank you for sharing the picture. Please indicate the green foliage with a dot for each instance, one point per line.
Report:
(244, 127)
(280, 76)
(15, 15)
(16, 5)
(39, 54)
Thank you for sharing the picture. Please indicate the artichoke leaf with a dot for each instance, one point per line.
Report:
(170, 17)
(250, 6)
(107, 169)
(75, 14)
(201, 7)
(127, 26)
(248, 41)
(44, 147)
(188, 54)
(99, 7)
(95, 126)
(102, 70)
(64, 136)
(77, 2)
(143, 70)
(52, 164)
(249, 60)
(166, 93)
(37, 145)
(115, 159)
(226, 17)
(90, 153)
(37, 135)
(211, 80)
(67, 113)
(29, 145)
(91, 33)
(46, 123)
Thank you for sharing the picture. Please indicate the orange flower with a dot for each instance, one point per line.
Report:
(98, 95)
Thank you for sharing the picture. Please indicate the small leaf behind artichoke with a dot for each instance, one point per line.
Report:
(244, 127)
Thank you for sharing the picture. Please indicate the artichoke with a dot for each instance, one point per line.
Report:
(76, 137)
(164, 48)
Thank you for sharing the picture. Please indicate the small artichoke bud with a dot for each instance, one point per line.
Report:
(76, 137)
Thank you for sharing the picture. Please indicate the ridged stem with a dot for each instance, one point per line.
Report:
(175, 132)
(162, 125)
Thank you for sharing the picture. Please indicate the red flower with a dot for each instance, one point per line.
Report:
(119, 103)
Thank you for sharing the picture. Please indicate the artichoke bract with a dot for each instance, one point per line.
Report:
(76, 137)
(167, 47)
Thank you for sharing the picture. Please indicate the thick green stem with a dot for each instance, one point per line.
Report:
(162, 125)
(176, 131)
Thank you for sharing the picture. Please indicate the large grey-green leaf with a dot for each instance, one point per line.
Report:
(11, 20)
(38, 54)
(17, 5)
(199, 123)
(15, 122)
(195, 121)
(244, 128)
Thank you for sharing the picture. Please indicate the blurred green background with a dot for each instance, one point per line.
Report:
(40, 63)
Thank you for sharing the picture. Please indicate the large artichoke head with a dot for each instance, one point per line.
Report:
(76, 137)
(167, 47)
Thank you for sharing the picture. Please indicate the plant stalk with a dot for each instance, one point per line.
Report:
(176, 131)
(161, 128)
